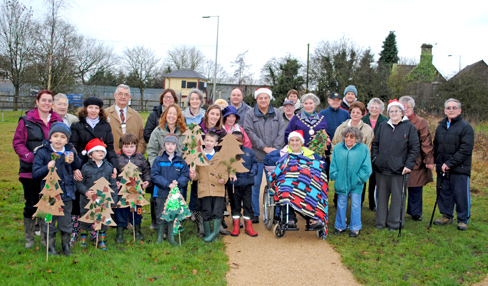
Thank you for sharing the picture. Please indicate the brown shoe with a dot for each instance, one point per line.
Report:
(462, 226)
(443, 220)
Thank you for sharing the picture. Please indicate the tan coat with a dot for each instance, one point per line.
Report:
(208, 185)
(420, 175)
(134, 125)
(366, 130)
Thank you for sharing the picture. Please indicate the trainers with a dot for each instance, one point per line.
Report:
(443, 220)
(462, 226)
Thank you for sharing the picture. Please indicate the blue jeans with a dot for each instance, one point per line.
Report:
(340, 221)
(256, 189)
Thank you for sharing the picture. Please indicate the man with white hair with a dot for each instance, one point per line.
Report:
(265, 127)
(60, 106)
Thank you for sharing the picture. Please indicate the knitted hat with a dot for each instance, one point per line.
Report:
(230, 110)
(334, 95)
(265, 90)
(93, 101)
(351, 88)
(397, 103)
(290, 102)
(60, 127)
(171, 138)
(94, 145)
(297, 133)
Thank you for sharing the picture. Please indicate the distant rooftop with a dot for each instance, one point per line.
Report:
(185, 74)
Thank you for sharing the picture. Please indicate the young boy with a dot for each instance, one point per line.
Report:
(96, 168)
(242, 192)
(168, 170)
(68, 161)
(211, 188)
(128, 153)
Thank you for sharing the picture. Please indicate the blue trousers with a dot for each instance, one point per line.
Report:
(340, 221)
(124, 215)
(455, 191)
(414, 206)
(256, 189)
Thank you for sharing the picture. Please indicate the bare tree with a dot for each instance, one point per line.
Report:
(140, 64)
(184, 57)
(91, 55)
(16, 42)
(241, 72)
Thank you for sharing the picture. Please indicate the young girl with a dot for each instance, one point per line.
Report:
(231, 119)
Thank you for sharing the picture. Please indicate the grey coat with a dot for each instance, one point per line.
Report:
(264, 130)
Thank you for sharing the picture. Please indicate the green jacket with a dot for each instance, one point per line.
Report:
(381, 118)
(350, 168)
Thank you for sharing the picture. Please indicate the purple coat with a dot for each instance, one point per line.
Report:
(297, 123)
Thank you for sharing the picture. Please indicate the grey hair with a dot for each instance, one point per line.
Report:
(59, 96)
(200, 95)
(407, 99)
(452, 100)
(377, 101)
(124, 86)
(311, 96)
(354, 131)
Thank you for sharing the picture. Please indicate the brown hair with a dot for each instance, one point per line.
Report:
(180, 119)
(127, 139)
(82, 113)
(173, 93)
(292, 91)
(357, 104)
(218, 126)
(44, 91)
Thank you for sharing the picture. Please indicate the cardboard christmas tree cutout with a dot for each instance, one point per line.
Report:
(131, 192)
(318, 143)
(99, 206)
(175, 209)
(192, 150)
(229, 156)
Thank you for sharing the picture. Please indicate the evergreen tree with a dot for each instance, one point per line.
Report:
(389, 54)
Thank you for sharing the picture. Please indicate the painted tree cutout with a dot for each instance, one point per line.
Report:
(192, 150)
(229, 156)
(50, 203)
(175, 209)
(99, 207)
(131, 192)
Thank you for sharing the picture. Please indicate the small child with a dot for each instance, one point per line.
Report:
(168, 170)
(128, 153)
(68, 161)
(211, 188)
(242, 191)
(231, 124)
(96, 168)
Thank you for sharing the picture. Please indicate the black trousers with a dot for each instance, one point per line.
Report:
(212, 208)
(371, 190)
(64, 223)
(32, 188)
(241, 195)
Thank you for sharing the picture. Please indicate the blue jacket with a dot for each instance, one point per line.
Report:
(42, 156)
(250, 162)
(350, 168)
(334, 118)
(164, 171)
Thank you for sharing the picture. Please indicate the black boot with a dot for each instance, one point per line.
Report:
(199, 222)
(29, 225)
(120, 235)
(160, 233)
(139, 235)
(65, 238)
(51, 245)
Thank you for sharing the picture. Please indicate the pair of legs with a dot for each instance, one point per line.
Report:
(454, 191)
(256, 189)
(389, 186)
(414, 206)
(340, 221)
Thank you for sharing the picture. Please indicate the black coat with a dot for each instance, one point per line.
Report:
(82, 133)
(395, 148)
(152, 121)
(91, 173)
(454, 146)
(137, 159)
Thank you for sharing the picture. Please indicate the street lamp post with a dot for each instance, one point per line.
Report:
(459, 60)
(216, 54)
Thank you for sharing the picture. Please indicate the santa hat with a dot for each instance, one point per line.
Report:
(94, 145)
(297, 133)
(397, 103)
(264, 90)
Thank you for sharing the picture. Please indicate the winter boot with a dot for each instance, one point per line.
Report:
(171, 234)
(160, 233)
(237, 228)
(83, 237)
(76, 230)
(101, 241)
(120, 235)
(51, 244)
(29, 232)
(139, 235)
(224, 225)
(206, 229)
(200, 224)
(223, 231)
(165, 230)
(65, 243)
(249, 230)
(215, 232)
(154, 224)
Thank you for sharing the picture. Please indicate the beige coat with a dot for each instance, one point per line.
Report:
(366, 130)
(134, 125)
(208, 185)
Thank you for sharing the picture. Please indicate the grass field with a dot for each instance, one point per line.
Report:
(441, 256)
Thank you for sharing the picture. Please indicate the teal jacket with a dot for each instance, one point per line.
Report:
(350, 169)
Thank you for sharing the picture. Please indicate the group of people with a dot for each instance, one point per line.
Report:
(363, 145)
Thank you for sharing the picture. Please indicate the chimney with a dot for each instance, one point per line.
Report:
(426, 54)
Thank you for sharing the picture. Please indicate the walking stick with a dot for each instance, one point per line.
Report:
(404, 191)
(438, 190)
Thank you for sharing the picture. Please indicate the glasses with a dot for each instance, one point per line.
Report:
(452, 108)
(123, 94)
(395, 111)
(374, 108)
(350, 136)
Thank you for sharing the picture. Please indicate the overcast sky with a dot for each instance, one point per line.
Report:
(269, 29)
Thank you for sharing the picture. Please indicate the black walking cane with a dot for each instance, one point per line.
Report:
(438, 190)
(404, 191)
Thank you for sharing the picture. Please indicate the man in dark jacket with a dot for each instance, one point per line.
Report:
(236, 100)
(453, 149)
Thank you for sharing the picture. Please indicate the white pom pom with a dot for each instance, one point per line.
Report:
(83, 152)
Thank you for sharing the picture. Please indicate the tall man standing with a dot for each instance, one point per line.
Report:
(124, 119)
(236, 100)
(453, 149)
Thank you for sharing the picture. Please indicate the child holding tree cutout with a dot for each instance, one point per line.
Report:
(57, 154)
(168, 171)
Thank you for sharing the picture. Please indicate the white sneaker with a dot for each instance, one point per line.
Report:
(37, 233)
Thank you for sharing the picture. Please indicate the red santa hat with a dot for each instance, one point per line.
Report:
(264, 90)
(396, 103)
(297, 133)
(94, 145)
